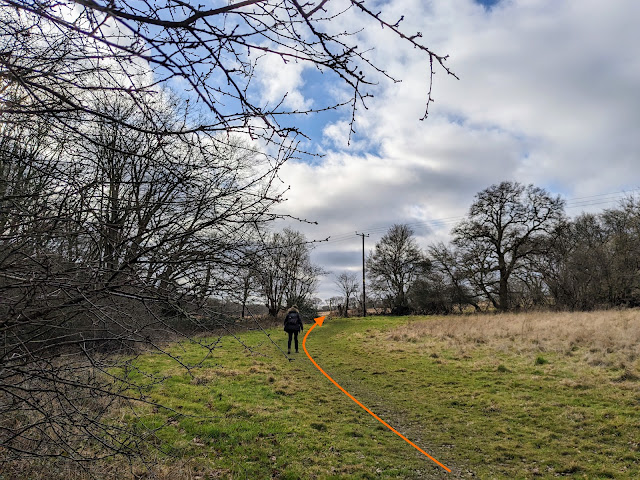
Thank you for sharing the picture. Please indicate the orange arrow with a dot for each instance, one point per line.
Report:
(319, 321)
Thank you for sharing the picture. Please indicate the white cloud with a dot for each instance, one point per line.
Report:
(279, 79)
(548, 94)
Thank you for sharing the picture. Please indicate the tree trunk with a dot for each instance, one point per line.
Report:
(504, 292)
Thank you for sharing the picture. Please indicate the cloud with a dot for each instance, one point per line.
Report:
(563, 74)
(548, 94)
(282, 80)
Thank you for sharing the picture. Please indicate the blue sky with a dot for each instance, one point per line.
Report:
(487, 3)
(549, 94)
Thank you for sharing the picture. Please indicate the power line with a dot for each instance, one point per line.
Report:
(571, 203)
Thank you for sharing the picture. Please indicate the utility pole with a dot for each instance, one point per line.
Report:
(364, 293)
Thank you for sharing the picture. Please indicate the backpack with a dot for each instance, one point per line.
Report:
(291, 322)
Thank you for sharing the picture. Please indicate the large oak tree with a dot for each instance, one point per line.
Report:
(506, 225)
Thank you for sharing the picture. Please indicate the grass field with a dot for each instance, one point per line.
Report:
(496, 396)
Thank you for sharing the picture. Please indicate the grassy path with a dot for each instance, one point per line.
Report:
(482, 411)
(345, 351)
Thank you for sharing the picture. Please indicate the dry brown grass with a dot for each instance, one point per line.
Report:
(158, 468)
(605, 338)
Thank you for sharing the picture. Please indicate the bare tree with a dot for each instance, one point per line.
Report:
(59, 54)
(507, 224)
(285, 272)
(592, 261)
(349, 287)
(394, 264)
(247, 287)
(272, 275)
(448, 264)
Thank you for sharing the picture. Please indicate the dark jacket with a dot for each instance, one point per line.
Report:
(293, 321)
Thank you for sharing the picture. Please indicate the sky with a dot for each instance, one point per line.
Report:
(549, 94)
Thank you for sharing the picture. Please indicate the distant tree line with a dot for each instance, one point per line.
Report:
(515, 250)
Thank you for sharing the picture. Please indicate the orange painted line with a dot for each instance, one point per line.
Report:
(304, 347)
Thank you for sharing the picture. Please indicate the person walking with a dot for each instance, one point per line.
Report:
(293, 325)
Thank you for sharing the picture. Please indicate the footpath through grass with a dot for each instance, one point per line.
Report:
(483, 411)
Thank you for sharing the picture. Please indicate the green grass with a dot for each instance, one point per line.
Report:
(482, 411)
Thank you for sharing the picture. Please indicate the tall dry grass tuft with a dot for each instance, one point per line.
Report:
(605, 337)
